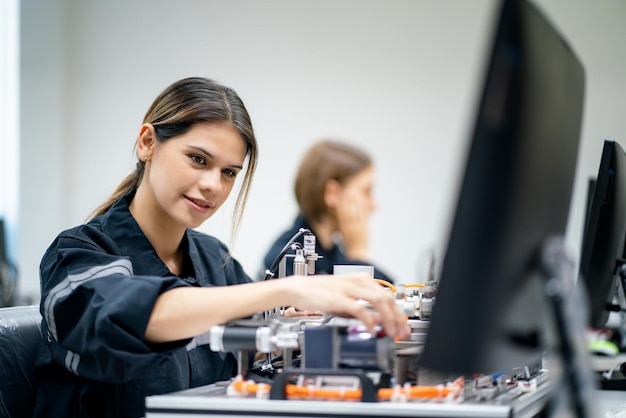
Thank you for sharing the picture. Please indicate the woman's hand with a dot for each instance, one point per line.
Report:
(352, 221)
(343, 295)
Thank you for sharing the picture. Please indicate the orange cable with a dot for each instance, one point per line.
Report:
(387, 284)
(303, 392)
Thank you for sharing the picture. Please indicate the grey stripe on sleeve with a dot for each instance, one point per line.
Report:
(71, 282)
(202, 339)
(71, 361)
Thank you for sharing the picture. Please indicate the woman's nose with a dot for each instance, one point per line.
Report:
(211, 180)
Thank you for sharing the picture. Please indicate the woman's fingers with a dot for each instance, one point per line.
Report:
(385, 311)
(348, 291)
(390, 316)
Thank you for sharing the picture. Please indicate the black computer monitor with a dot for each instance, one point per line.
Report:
(3, 245)
(8, 272)
(514, 195)
(602, 250)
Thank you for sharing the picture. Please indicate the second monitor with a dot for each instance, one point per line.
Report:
(602, 263)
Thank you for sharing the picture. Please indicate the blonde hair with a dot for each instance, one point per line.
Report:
(175, 110)
(324, 161)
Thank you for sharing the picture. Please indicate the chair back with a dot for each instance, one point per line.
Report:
(20, 339)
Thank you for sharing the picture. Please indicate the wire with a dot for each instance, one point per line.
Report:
(410, 285)
(609, 373)
(387, 284)
(270, 273)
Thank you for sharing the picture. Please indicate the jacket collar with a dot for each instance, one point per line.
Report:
(118, 223)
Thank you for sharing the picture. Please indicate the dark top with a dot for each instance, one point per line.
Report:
(99, 283)
(324, 265)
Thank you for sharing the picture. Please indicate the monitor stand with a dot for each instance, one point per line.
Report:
(565, 299)
(621, 297)
(615, 378)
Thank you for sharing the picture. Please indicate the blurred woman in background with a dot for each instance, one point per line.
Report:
(334, 190)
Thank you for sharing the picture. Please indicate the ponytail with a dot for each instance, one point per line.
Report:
(129, 183)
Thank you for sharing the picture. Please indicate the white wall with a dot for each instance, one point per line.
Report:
(43, 168)
(398, 77)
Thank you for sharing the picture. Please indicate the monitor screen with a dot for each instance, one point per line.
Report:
(515, 193)
(605, 232)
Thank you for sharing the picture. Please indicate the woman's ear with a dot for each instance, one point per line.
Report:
(332, 193)
(146, 142)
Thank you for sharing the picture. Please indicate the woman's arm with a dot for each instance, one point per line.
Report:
(189, 311)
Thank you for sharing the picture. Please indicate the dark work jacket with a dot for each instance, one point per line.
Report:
(99, 283)
(324, 265)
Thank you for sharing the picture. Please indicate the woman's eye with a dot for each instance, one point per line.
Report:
(230, 173)
(197, 159)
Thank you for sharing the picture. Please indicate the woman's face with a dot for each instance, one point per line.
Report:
(191, 175)
(358, 191)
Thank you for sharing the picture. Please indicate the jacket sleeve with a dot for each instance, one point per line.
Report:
(96, 310)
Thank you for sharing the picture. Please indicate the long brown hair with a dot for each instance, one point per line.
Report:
(174, 111)
(326, 160)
